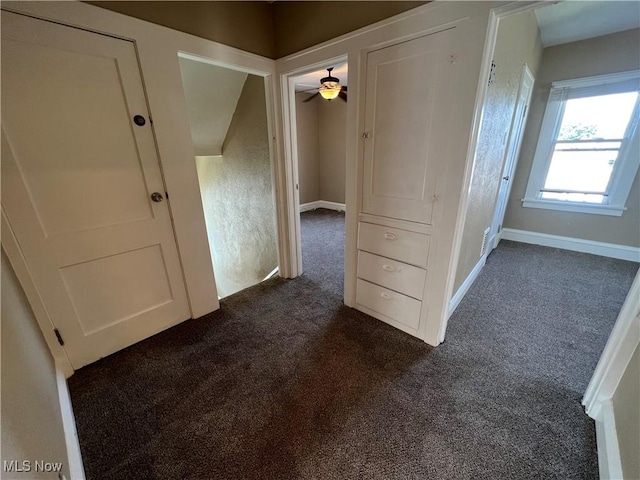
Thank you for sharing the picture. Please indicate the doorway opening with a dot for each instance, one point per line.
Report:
(228, 119)
(320, 119)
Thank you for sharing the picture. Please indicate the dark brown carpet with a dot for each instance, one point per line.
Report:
(286, 383)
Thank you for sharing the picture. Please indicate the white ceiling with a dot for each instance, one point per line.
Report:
(574, 20)
(312, 80)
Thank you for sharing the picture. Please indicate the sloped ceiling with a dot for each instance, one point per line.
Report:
(212, 95)
(572, 21)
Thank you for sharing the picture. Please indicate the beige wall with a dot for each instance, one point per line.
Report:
(518, 42)
(237, 197)
(31, 420)
(626, 407)
(332, 132)
(308, 148)
(244, 25)
(322, 144)
(608, 54)
(299, 25)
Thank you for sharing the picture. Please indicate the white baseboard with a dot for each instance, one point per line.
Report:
(609, 463)
(339, 207)
(612, 250)
(466, 285)
(74, 457)
(272, 273)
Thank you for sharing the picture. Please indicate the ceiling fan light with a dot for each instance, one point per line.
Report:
(329, 93)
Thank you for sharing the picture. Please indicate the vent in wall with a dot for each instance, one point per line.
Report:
(485, 242)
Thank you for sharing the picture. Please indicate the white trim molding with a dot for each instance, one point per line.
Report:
(609, 462)
(597, 400)
(617, 353)
(602, 249)
(466, 285)
(338, 207)
(74, 456)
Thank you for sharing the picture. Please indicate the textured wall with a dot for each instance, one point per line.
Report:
(608, 54)
(31, 419)
(332, 133)
(308, 148)
(237, 197)
(626, 407)
(244, 25)
(518, 43)
(299, 25)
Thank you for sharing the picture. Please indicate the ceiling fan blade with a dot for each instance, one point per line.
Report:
(310, 98)
(343, 95)
(307, 90)
(344, 88)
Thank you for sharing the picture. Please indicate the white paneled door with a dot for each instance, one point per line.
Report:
(407, 91)
(82, 187)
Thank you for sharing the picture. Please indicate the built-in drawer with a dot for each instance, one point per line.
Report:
(409, 247)
(401, 277)
(398, 307)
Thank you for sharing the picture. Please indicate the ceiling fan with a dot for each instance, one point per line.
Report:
(330, 88)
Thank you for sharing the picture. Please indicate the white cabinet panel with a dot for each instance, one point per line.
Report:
(406, 88)
(409, 247)
(396, 306)
(388, 273)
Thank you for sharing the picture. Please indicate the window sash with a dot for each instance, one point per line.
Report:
(624, 168)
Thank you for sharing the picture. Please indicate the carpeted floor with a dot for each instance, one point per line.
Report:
(286, 383)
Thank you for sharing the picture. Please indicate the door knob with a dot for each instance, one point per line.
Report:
(156, 197)
(139, 120)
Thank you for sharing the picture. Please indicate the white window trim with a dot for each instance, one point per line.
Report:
(623, 176)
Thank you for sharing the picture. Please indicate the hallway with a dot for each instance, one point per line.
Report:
(286, 383)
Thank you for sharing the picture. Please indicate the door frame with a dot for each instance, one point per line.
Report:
(268, 89)
(291, 150)
(511, 157)
(18, 263)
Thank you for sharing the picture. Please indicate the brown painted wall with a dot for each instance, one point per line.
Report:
(269, 29)
(308, 148)
(299, 25)
(244, 25)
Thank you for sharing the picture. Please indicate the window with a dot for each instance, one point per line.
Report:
(588, 150)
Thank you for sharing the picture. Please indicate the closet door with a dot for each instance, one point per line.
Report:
(407, 91)
(82, 187)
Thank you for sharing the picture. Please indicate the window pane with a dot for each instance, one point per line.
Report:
(581, 171)
(586, 149)
(604, 116)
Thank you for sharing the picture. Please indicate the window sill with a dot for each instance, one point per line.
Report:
(614, 211)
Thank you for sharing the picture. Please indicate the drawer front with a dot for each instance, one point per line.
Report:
(398, 307)
(409, 247)
(397, 276)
